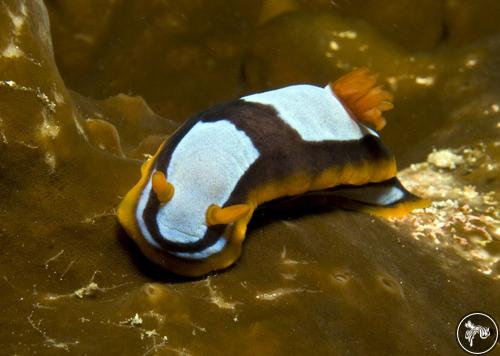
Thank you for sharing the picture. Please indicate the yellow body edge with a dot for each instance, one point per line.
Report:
(126, 216)
(365, 172)
(397, 210)
(126, 209)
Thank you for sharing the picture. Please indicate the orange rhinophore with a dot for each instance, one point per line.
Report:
(216, 215)
(163, 189)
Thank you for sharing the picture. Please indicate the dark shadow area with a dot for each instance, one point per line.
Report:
(146, 267)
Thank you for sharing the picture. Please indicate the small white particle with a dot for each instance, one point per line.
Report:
(425, 81)
(345, 34)
(12, 51)
(48, 129)
(58, 98)
(334, 45)
(393, 82)
(445, 159)
(136, 320)
(470, 62)
(3, 137)
(50, 159)
(150, 333)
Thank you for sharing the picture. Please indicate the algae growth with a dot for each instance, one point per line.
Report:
(76, 123)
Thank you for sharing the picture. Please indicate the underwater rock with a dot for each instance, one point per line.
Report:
(140, 130)
(104, 135)
(469, 21)
(414, 25)
(324, 46)
(331, 281)
(273, 8)
(77, 29)
(133, 47)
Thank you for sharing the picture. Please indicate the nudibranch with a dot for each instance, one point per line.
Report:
(190, 209)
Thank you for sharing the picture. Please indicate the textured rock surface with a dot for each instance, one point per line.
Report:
(327, 280)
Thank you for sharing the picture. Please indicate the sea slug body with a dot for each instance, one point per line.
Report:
(190, 209)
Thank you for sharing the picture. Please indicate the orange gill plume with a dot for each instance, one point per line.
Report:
(359, 92)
